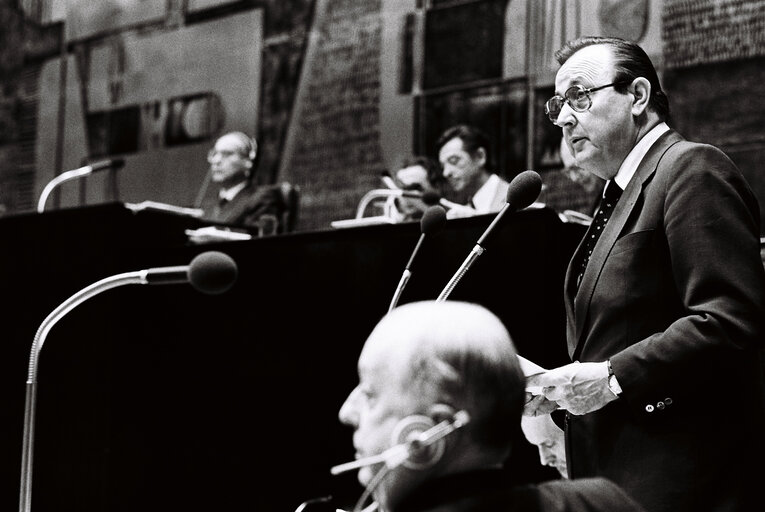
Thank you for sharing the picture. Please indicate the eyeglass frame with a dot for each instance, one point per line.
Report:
(587, 91)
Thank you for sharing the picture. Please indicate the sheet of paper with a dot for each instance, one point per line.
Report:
(530, 368)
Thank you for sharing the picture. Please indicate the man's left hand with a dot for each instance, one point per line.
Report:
(580, 388)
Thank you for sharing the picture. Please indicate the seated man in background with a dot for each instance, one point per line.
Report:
(451, 365)
(463, 152)
(417, 174)
(238, 201)
(549, 439)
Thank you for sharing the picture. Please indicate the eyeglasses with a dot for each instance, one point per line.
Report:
(578, 98)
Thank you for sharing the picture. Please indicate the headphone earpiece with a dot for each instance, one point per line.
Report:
(407, 430)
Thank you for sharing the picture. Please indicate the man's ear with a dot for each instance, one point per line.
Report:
(640, 88)
(480, 155)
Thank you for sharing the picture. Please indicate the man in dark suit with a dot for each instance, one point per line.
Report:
(665, 298)
(239, 202)
(445, 376)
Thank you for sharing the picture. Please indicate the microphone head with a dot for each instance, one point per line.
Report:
(431, 197)
(524, 190)
(212, 272)
(433, 220)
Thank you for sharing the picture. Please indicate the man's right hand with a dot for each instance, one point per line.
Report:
(538, 405)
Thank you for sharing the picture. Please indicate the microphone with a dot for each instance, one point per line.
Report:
(115, 163)
(211, 272)
(432, 222)
(523, 190)
(413, 446)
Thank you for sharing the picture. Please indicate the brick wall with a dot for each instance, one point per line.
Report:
(706, 31)
(715, 62)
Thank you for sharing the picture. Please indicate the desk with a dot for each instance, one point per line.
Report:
(162, 398)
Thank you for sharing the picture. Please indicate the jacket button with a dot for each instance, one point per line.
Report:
(660, 406)
(668, 401)
(649, 408)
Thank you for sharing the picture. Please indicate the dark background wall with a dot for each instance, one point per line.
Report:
(347, 89)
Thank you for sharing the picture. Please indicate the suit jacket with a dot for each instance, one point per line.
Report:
(674, 295)
(248, 207)
(489, 491)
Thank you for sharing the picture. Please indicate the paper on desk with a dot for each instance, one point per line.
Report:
(529, 368)
(214, 234)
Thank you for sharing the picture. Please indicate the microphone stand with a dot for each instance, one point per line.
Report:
(380, 193)
(400, 288)
(61, 178)
(136, 277)
(75, 173)
(474, 254)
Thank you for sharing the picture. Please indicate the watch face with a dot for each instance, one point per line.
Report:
(613, 386)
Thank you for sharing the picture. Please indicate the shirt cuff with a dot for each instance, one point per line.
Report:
(613, 384)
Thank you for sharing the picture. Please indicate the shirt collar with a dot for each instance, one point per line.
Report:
(485, 196)
(230, 193)
(630, 164)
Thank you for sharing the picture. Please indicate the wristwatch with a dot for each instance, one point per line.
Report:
(613, 385)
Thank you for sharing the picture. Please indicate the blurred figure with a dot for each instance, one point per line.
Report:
(238, 201)
(417, 174)
(449, 367)
(549, 439)
(571, 189)
(463, 153)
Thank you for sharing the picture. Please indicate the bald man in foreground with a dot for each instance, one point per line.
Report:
(445, 378)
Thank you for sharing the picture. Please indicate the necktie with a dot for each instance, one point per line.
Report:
(607, 204)
(222, 201)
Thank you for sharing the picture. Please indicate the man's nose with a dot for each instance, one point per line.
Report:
(546, 456)
(565, 116)
(347, 414)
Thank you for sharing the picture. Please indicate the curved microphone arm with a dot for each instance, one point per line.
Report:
(474, 254)
(399, 289)
(61, 178)
(137, 277)
(380, 193)
(369, 197)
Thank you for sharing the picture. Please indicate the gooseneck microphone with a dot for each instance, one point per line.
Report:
(432, 222)
(76, 173)
(523, 190)
(383, 193)
(210, 272)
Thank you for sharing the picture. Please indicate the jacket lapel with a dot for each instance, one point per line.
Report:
(578, 302)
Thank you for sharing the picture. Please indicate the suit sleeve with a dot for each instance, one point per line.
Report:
(710, 240)
(585, 495)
